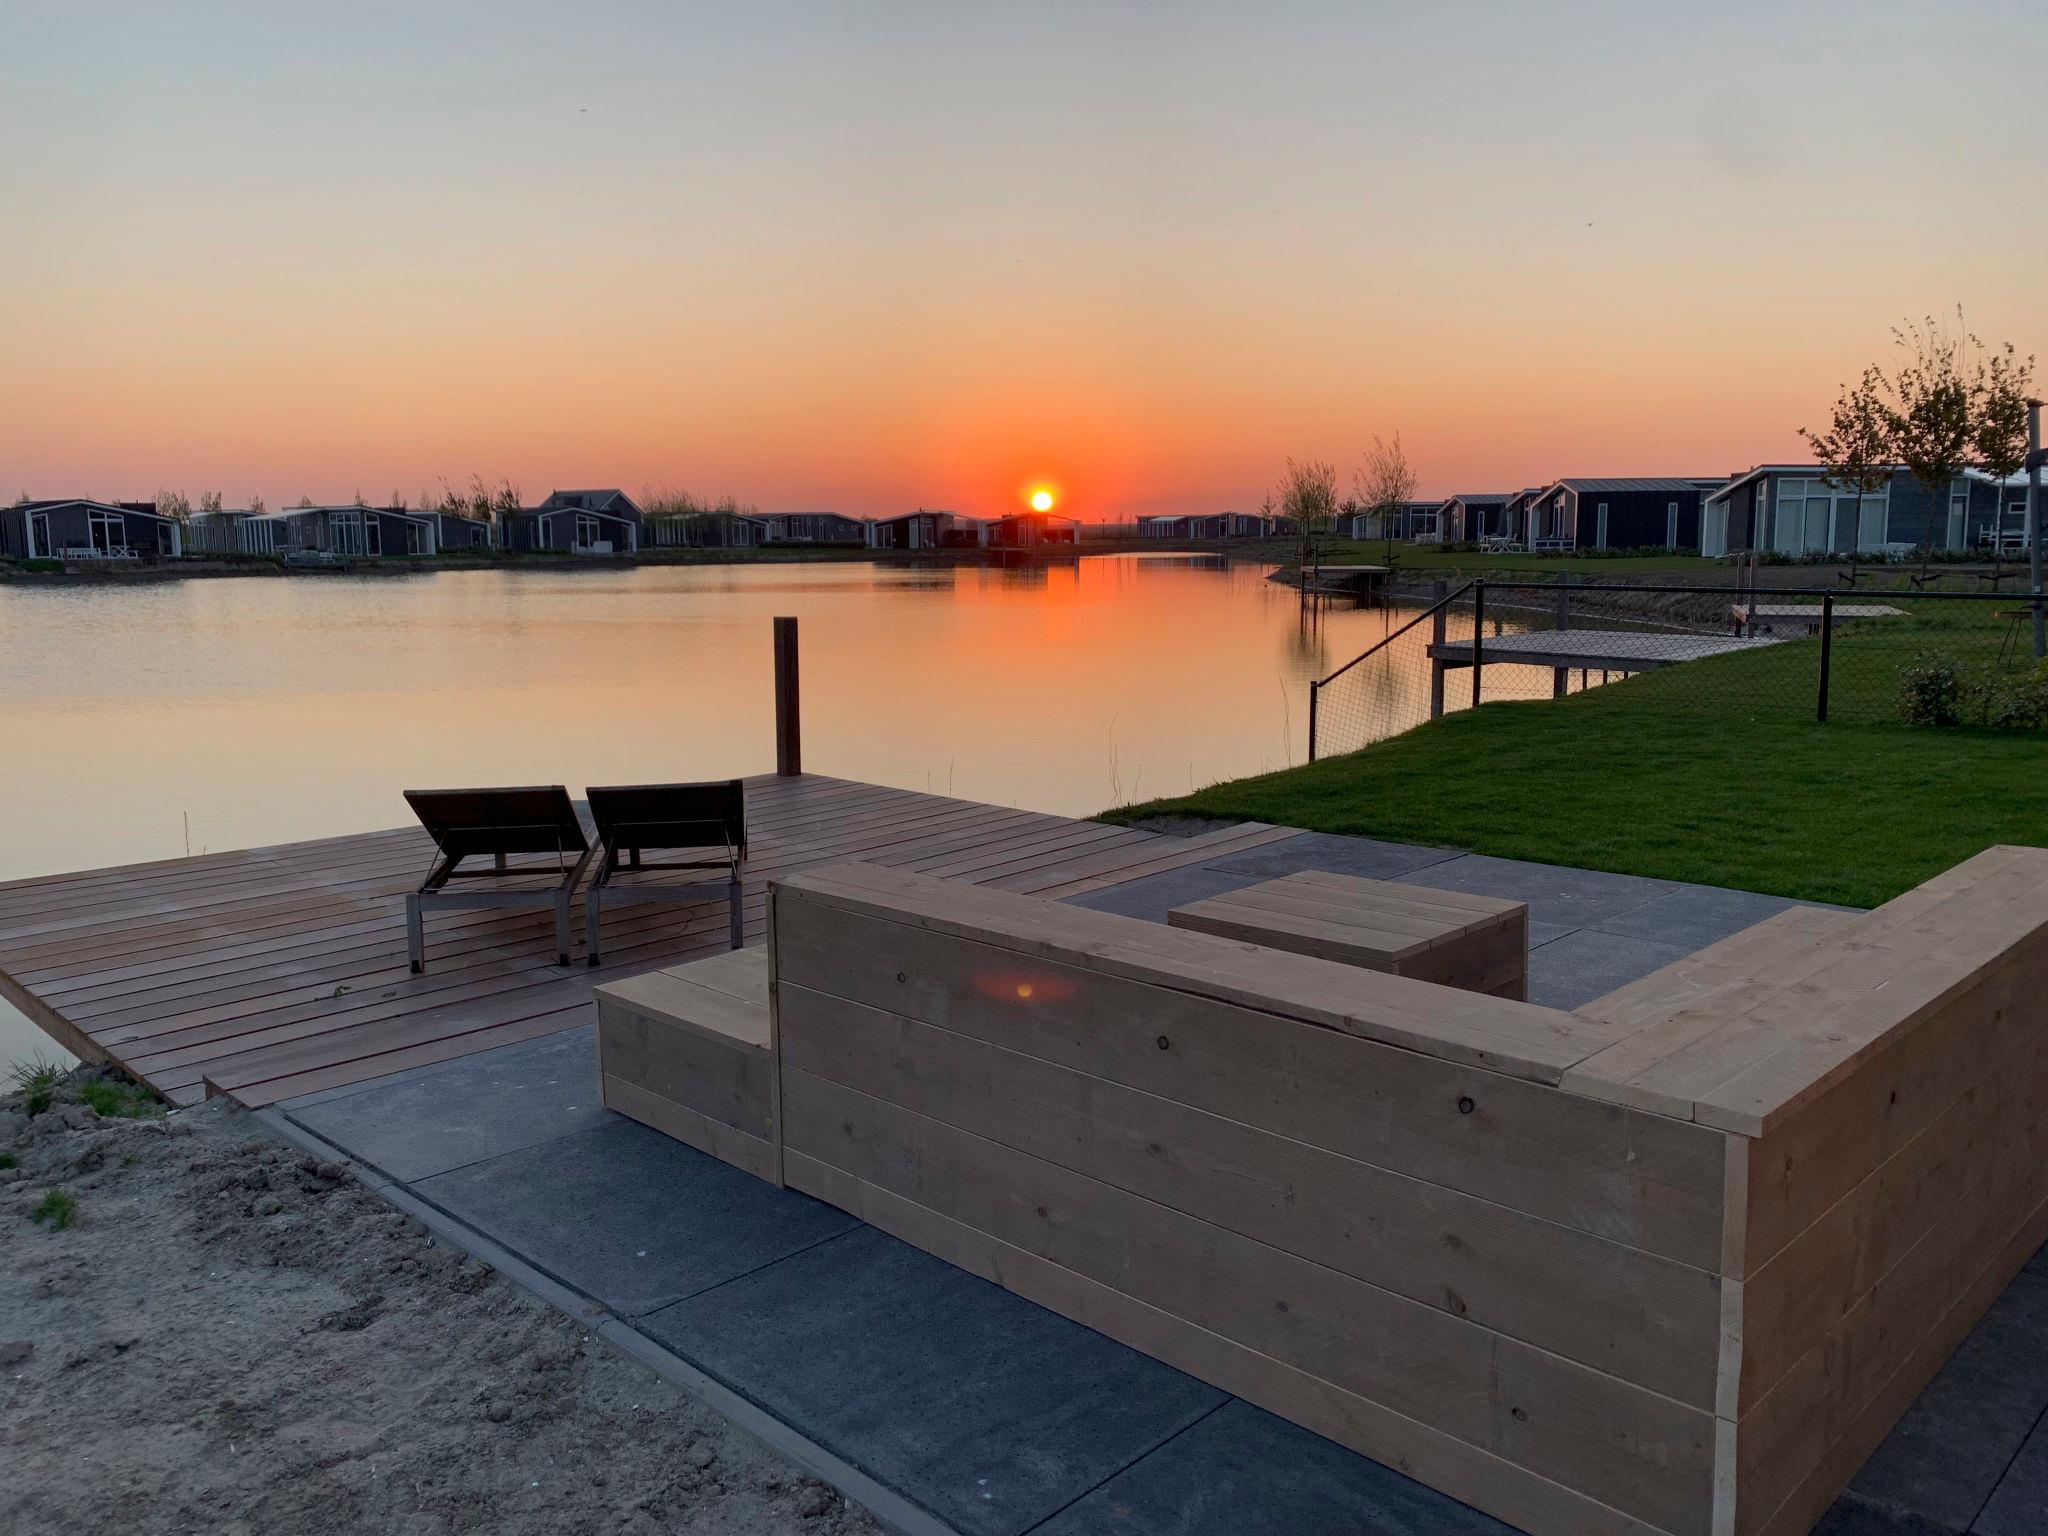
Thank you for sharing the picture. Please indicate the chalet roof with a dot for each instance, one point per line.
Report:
(52, 505)
(1626, 483)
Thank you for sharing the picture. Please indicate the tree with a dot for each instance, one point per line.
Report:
(506, 501)
(173, 504)
(209, 503)
(257, 507)
(1998, 439)
(1928, 416)
(397, 502)
(305, 502)
(1385, 482)
(1856, 449)
(1308, 495)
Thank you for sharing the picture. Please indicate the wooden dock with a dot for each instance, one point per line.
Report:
(1593, 650)
(272, 972)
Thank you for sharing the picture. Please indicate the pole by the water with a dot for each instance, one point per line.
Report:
(789, 749)
(2034, 524)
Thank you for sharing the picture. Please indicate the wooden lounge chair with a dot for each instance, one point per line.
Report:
(496, 824)
(706, 821)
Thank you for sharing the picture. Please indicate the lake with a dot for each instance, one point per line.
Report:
(146, 721)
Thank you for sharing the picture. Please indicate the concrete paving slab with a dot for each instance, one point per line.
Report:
(1949, 1458)
(484, 1105)
(1575, 898)
(987, 1410)
(1695, 915)
(1366, 857)
(631, 1217)
(1573, 970)
(1153, 896)
(1243, 1471)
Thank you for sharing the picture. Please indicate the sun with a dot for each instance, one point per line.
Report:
(1041, 501)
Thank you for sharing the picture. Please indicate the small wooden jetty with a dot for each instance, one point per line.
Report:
(1806, 617)
(1346, 577)
(1593, 650)
(271, 972)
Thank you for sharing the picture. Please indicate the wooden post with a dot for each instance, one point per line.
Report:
(1436, 644)
(789, 752)
(1478, 636)
(1560, 681)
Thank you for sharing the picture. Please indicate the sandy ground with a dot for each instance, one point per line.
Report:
(234, 1337)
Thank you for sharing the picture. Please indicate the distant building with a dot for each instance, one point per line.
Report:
(925, 529)
(234, 532)
(83, 529)
(813, 528)
(1028, 530)
(1792, 509)
(1407, 520)
(456, 530)
(1648, 512)
(590, 522)
(353, 532)
(1206, 526)
(1514, 516)
(1471, 516)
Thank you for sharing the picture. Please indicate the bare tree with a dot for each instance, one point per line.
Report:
(1308, 496)
(505, 501)
(1856, 448)
(257, 507)
(173, 504)
(1385, 482)
(305, 502)
(209, 503)
(1998, 439)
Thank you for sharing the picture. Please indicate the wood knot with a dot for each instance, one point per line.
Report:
(1466, 1106)
(1165, 1044)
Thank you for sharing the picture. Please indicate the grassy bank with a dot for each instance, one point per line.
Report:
(1714, 771)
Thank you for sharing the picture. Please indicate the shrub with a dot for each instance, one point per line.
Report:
(117, 1100)
(1931, 690)
(57, 1209)
(36, 1081)
(1937, 689)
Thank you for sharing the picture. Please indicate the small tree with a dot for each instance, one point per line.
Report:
(1856, 449)
(305, 502)
(257, 506)
(1998, 438)
(398, 503)
(1308, 495)
(173, 504)
(209, 503)
(1928, 415)
(1385, 482)
(505, 502)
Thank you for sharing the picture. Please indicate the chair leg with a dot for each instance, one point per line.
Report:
(732, 904)
(562, 928)
(592, 904)
(415, 935)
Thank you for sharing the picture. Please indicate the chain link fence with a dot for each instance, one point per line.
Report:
(1864, 656)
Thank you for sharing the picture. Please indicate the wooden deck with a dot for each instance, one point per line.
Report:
(1595, 650)
(273, 972)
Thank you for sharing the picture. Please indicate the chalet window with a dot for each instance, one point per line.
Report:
(109, 531)
(586, 530)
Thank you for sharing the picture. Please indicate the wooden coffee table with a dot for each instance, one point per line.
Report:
(1479, 943)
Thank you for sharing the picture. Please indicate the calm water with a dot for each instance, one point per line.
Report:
(143, 721)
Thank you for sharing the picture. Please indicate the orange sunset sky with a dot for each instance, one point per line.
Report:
(867, 257)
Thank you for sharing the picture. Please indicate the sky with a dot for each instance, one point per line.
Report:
(875, 256)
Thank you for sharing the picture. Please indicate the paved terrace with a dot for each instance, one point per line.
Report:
(942, 1402)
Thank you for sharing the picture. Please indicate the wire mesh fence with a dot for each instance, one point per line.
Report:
(1926, 657)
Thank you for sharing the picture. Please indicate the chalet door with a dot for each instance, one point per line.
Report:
(39, 547)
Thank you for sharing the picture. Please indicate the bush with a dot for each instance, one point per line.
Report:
(36, 1081)
(58, 1209)
(1937, 689)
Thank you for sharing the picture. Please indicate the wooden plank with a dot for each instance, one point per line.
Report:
(680, 1058)
(1648, 1320)
(1482, 1478)
(1642, 1180)
(727, 1143)
(1631, 1449)
(1496, 1033)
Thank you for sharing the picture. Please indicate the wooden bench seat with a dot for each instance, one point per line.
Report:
(1476, 943)
(685, 1050)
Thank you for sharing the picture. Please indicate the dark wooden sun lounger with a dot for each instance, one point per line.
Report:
(497, 824)
(706, 821)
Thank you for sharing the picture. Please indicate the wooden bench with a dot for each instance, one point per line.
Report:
(1670, 1265)
(1478, 943)
(685, 1050)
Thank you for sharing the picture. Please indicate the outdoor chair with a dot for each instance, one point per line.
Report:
(707, 822)
(497, 824)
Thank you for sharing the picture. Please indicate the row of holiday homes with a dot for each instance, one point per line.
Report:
(586, 522)
(1790, 509)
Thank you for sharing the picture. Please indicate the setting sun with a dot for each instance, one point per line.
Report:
(1041, 501)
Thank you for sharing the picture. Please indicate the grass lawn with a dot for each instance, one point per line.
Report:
(1714, 771)
(1428, 557)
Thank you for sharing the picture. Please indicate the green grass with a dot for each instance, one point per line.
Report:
(1431, 557)
(1715, 771)
(36, 1081)
(57, 1210)
(118, 1100)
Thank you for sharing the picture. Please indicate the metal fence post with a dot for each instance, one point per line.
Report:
(789, 751)
(1560, 677)
(1315, 691)
(1437, 634)
(1827, 645)
(1478, 635)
